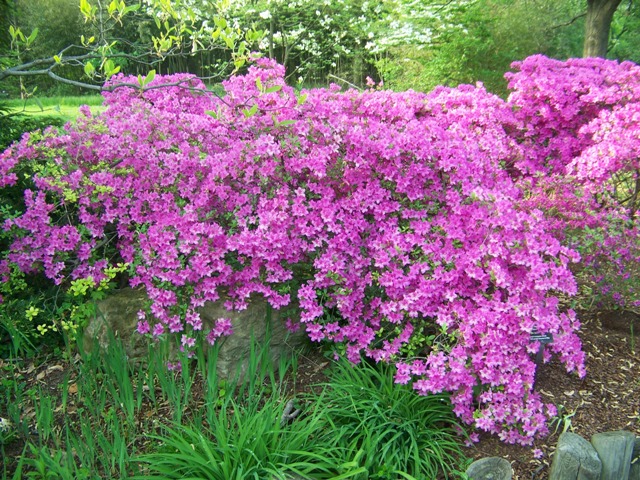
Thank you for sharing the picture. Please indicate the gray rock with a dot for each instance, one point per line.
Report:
(117, 316)
(634, 471)
(615, 450)
(254, 321)
(491, 468)
(575, 459)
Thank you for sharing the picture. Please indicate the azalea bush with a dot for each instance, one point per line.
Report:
(581, 137)
(403, 225)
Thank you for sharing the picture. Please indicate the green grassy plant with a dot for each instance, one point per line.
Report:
(110, 419)
(388, 428)
(241, 433)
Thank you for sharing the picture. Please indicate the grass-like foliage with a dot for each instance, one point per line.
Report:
(109, 419)
(389, 429)
(246, 440)
(243, 433)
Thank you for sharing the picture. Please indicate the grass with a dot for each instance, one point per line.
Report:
(103, 418)
(63, 107)
(393, 432)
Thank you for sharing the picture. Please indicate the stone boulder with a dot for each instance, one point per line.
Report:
(117, 316)
(634, 471)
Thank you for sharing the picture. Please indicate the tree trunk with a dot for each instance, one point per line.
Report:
(597, 26)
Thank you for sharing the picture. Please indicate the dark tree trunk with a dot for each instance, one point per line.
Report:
(597, 27)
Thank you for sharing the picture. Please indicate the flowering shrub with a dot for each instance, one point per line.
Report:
(404, 225)
(580, 133)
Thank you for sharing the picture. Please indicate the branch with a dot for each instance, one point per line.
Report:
(566, 24)
(27, 69)
(75, 83)
(331, 75)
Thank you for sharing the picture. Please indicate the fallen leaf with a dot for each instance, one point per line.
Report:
(73, 388)
(320, 366)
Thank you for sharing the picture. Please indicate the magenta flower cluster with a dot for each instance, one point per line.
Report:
(580, 122)
(381, 214)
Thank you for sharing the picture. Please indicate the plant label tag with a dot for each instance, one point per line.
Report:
(543, 338)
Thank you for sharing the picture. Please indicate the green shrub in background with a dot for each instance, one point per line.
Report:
(13, 126)
(19, 316)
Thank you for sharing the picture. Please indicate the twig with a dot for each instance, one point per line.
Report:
(289, 414)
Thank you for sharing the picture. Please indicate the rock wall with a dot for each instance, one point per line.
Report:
(117, 316)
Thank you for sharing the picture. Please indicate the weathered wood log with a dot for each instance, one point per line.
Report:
(615, 450)
(491, 468)
(575, 459)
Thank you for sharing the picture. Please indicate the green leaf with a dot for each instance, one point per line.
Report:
(250, 112)
(220, 22)
(86, 9)
(302, 98)
(230, 42)
(259, 85)
(32, 37)
(57, 59)
(242, 48)
(89, 69)
(132, 8)
(211, 113)
(275, 88)
(284, 123)
(150, 76)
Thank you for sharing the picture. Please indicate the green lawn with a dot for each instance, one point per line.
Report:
(64, 107)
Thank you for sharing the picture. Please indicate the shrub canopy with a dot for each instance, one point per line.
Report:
(408, 227)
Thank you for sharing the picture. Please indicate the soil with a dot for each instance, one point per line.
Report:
(607, 399)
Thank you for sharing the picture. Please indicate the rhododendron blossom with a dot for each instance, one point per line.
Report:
(381, 215)
(580, 134)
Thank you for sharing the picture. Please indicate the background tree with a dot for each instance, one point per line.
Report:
(597, 26)
(127, 36)
(474, 41)
(59, 25)
(624, 37)
(414, 44)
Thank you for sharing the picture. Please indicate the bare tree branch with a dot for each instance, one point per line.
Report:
(570, 22)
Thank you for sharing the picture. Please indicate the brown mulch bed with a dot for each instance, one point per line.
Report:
(607, 399)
